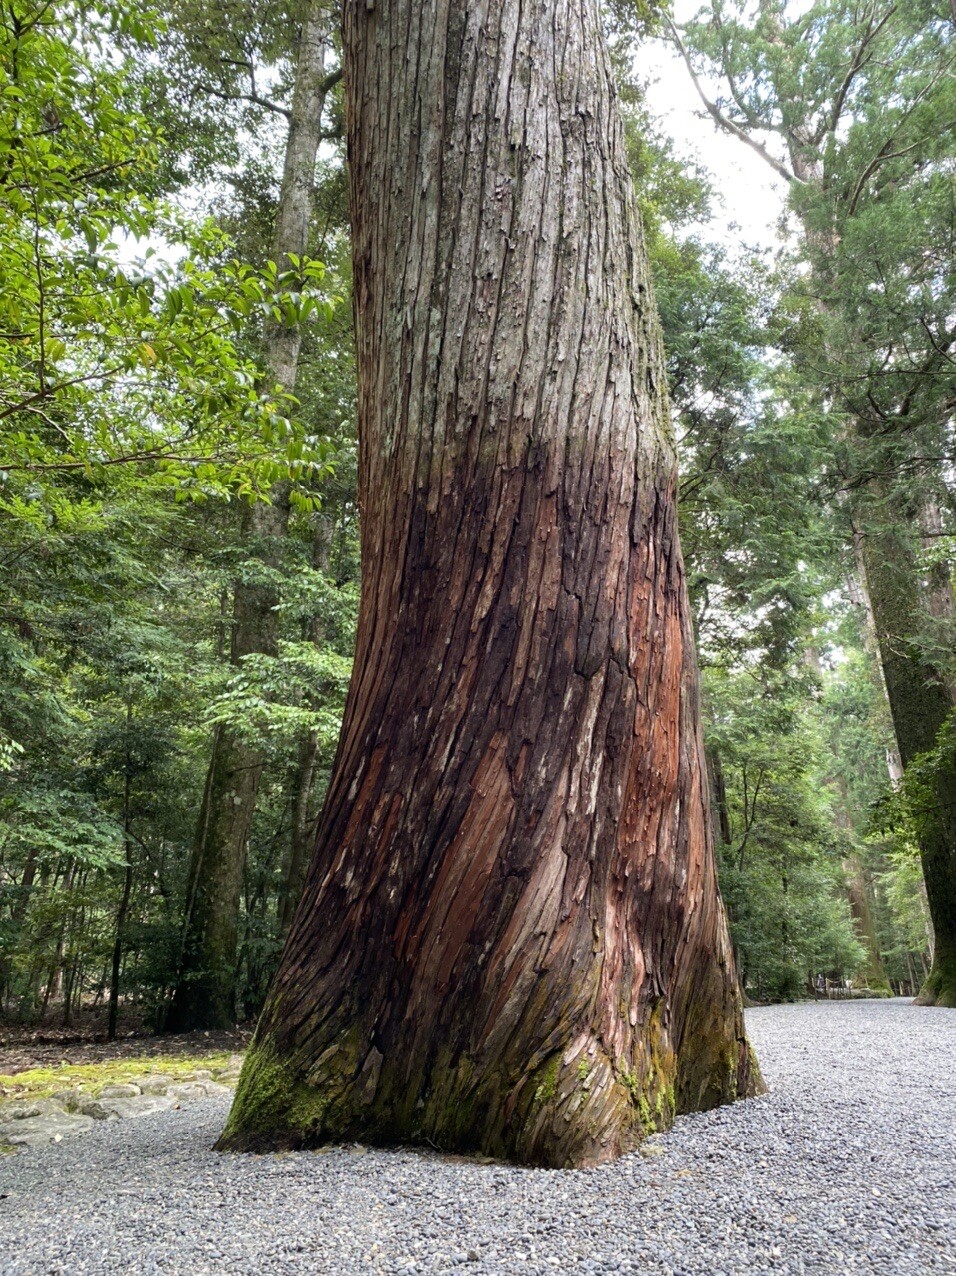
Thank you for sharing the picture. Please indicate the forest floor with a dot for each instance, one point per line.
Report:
(23, 1048)
(848, 1165)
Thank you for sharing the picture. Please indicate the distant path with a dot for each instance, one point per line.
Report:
(849, 1166)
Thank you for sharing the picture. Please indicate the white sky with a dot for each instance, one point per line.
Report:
(751, 195)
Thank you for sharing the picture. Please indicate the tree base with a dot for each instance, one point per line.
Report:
(569, 1111)
(511, 940)
(940, 986)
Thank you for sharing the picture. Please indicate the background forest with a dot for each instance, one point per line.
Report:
(179, 530)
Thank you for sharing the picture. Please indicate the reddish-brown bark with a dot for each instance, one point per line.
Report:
(510, 938)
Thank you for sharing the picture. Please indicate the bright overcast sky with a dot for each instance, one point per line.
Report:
(752, 194)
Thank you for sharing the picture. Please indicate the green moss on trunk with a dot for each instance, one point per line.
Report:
(940, 987)
(511, 940)
(522, 1115)
(273, 1108)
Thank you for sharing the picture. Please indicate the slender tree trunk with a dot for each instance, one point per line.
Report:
(69, 986)
(64, 873)
(101, 986)
(205, 996)
(718, 798)
(30, 999)
(75, 966)
(123, 910)
(302, 839)
(303, 831)
(510, 938)
(56, 968)
(920, 704)
(297, 196)
(18, 912)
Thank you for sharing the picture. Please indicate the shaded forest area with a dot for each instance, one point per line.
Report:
(179, 521)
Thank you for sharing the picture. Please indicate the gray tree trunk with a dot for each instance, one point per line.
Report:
(898, 604)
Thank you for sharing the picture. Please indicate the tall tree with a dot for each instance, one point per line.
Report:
(510, 937)
(854, 107)
(205, 995)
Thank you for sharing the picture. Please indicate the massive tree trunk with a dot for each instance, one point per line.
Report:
(858, 894)
(898, 605)
(510, 938)
(919, 704)
(205, 992)
(899, 602)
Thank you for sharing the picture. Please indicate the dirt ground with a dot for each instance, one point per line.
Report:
(44, 1046)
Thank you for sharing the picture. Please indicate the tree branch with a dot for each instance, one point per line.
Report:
(883, 157)
(254, 98)
(721, 120)
(857, 63)
(49, 391)
(330, 81)
(742, 106)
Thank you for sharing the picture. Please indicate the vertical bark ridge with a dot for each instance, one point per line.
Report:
(510, 937)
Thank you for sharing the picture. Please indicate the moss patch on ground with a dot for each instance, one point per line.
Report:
(42, 1083)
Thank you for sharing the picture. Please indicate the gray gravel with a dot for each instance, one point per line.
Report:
(849, 1165)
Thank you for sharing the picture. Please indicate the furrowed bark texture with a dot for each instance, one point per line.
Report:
(510, 938)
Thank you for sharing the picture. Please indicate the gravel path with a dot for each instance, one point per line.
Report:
(849, 1165)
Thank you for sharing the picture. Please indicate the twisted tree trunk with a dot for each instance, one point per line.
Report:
(510, 938)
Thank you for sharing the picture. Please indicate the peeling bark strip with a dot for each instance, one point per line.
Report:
(510, 938)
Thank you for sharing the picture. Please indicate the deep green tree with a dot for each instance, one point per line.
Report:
(854, 108)
(205, 995)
